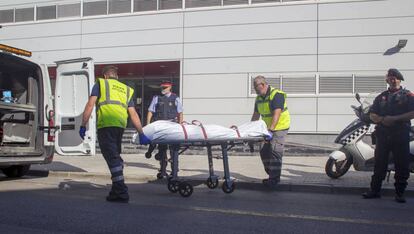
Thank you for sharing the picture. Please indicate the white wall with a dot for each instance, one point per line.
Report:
(220, 47)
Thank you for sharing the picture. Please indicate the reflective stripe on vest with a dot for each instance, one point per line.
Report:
(112, 105)
(263, 106)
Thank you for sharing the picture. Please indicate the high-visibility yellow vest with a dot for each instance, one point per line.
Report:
(263, 106)
(112, 105)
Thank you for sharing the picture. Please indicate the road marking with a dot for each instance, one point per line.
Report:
(303, 217)
(255, 213)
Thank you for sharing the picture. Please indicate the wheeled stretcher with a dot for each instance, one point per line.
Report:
(181, 137)
(185, 189)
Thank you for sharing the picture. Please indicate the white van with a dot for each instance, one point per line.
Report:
(33, 123)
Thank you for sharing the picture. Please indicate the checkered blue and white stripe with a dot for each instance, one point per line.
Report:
(355, 135)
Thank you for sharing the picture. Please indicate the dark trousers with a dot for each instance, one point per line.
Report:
(110, 140)
(163, 157)
(396, 142)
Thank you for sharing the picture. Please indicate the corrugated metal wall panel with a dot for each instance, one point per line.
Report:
(6, 16)
(69, 10)
(170, 4)
(201, 3)
(299, 85)
(119, 6)
(369, 84)
(335, 84)
(24, 14)
(46, 12)
(94, 8)
(145, 5)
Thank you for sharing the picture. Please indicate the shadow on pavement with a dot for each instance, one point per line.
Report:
(57, 166)
(141, 165)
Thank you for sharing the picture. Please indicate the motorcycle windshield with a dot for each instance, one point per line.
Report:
(368, 100)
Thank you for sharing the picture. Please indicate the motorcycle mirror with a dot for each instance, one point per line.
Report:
(358, 98)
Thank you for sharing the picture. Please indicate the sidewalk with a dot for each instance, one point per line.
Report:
(300, 174)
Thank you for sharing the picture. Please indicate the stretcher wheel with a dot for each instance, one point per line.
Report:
(173, 186)
(157, 156)
(148, 155)
(212, 183)
(185, 189)
(159, 175)
(228, 189)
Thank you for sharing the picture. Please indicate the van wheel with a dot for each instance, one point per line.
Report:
(16, 171)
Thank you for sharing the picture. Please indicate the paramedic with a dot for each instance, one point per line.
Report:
(166, 106)
(114, 103)
(271, 106)
(392, 111)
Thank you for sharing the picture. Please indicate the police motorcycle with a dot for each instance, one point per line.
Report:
(354, 151)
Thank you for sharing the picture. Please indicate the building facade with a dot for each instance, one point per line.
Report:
(321, 52)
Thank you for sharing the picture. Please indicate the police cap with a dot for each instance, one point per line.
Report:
(166, 83)
(395, 73)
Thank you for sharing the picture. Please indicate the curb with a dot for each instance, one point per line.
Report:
(247, 185)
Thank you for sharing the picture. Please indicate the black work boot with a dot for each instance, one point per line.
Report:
(371, 195)
(400, 198)
(271, 183)
(113, 197)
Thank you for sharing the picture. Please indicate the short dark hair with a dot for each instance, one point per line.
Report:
(108, 68)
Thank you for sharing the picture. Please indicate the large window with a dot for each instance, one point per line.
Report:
(46, 12)
(91, 7)
(6, 16)
(24, 14)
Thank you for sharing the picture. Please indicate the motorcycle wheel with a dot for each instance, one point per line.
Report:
(336, 169)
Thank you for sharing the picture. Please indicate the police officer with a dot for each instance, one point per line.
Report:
(114, 103)
(271, 106)
(166, 106)
(392, 111)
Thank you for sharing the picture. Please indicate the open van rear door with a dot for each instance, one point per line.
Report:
(74, 81)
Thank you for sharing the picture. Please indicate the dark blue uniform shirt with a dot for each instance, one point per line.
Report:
(394, 103)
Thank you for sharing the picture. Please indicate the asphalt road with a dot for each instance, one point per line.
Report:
(57, 205)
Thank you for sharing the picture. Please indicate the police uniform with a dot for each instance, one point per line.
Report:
(165, 107)
(272, 151)
(393, 139)
(114, 98)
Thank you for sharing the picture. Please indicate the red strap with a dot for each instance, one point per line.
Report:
(234, 127)
(198, 123)
(184, 130)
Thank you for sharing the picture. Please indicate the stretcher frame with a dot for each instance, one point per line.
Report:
(177, 147)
